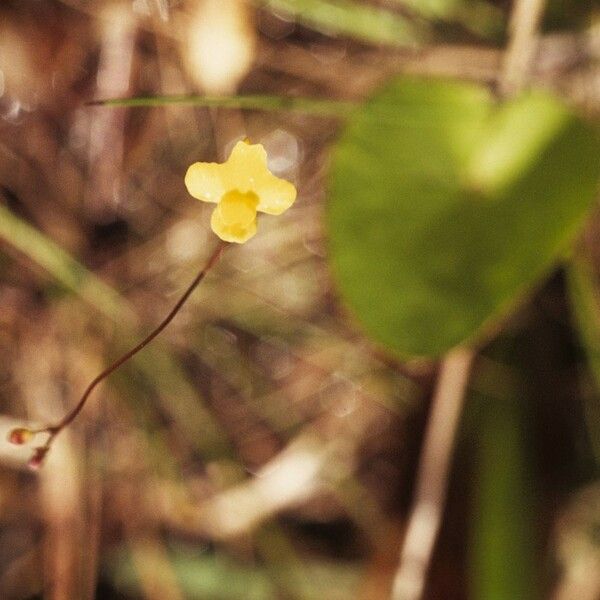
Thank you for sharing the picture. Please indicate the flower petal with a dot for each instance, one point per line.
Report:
(231, 233)
(205, 181)
(276, 195)
(245, 162)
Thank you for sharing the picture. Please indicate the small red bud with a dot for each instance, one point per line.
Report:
(20, 435)
(35, 462)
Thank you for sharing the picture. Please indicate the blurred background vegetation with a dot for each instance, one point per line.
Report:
(266, 446)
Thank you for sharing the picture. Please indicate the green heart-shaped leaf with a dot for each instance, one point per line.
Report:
(446, 205)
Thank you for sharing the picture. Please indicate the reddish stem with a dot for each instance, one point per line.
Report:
(54, 430)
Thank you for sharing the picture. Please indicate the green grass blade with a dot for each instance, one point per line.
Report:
(347, 18)
(312, 106)
(63, 267)
(502, 549)
(201, 576)
(479, 17)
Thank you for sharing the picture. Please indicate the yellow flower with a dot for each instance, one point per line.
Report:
(240, 187)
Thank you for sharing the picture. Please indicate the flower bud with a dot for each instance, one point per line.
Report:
(20, 435)
(35, 462)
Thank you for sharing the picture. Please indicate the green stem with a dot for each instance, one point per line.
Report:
(312, 106)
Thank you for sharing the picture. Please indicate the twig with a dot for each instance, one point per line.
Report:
(428, 505)
(523, 43)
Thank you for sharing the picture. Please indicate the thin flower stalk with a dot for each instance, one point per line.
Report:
(22, 435)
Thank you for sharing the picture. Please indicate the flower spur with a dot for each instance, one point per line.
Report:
(240, 187)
